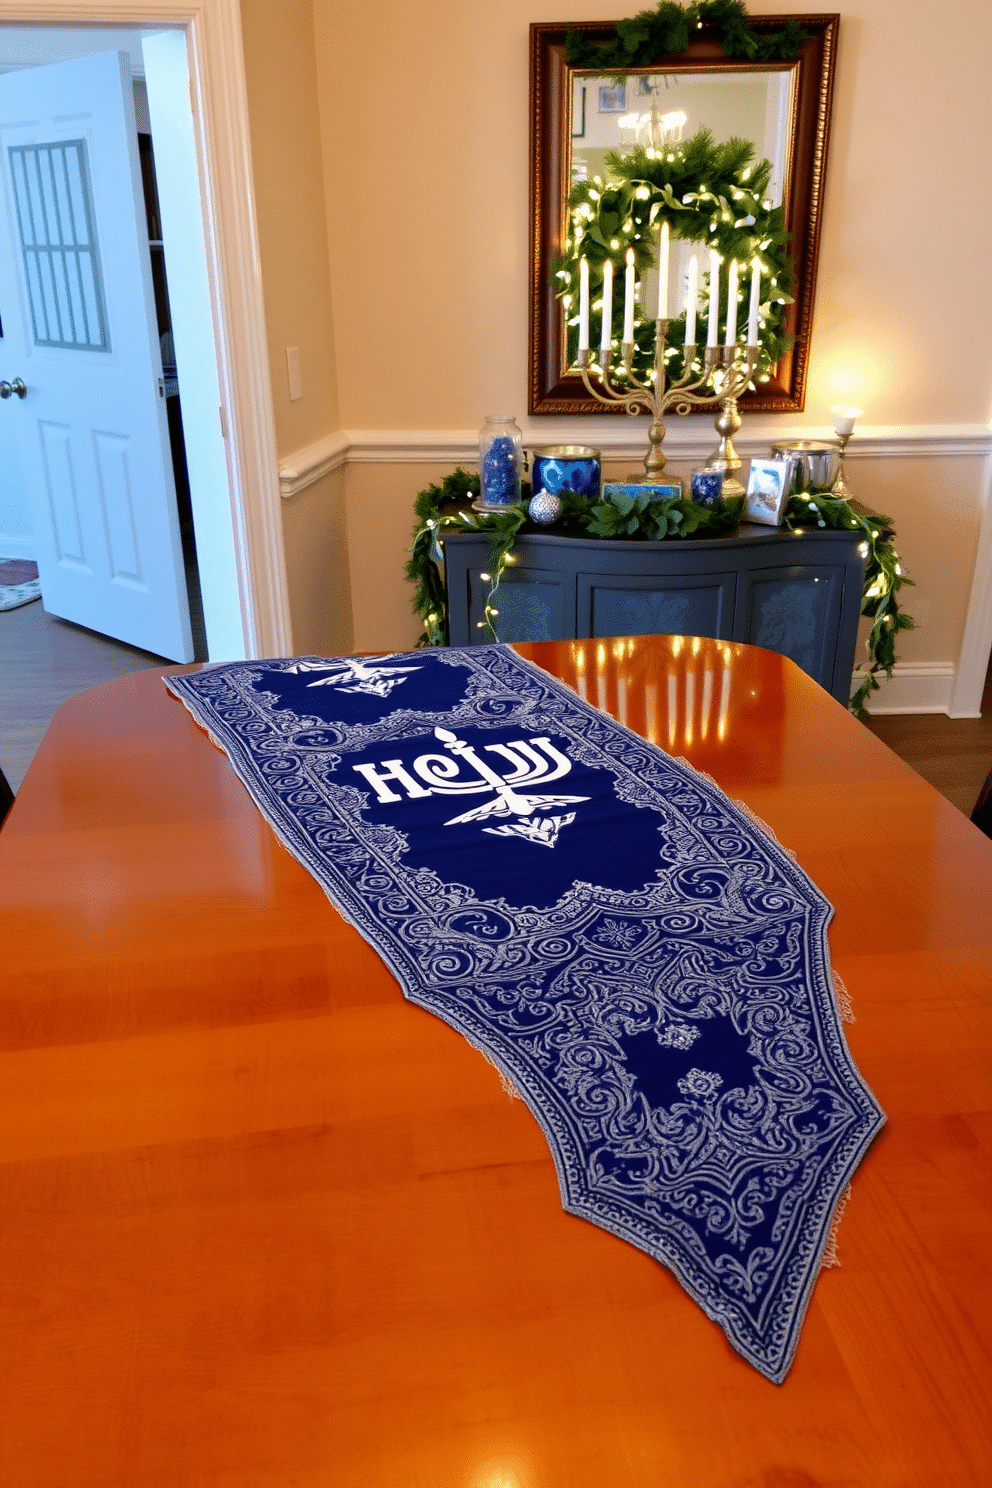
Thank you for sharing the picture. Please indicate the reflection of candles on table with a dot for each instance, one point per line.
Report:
(731, 337)
(607, 335)
(752, 314)
(691, 292)
(583, 304)
(712, 328)
(628, 300)
(663, 240)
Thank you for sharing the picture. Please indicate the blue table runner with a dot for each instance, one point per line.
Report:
(645, 964)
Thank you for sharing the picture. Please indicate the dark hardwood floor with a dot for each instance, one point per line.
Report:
(44, 661)
(953, 754)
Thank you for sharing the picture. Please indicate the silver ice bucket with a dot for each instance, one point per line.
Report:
(810, 462)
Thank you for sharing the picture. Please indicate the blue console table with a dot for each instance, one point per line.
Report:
(799, 593)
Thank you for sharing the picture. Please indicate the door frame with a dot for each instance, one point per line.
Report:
(223, 148)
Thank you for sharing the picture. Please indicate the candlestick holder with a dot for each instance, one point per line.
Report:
(840, 490)
(725, 457)
(733, 365)
(844, 421)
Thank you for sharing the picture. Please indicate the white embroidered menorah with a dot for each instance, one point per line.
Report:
(533, 761)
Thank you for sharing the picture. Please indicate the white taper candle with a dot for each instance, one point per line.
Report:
(583, 304)
(844, 420)
(752, 314)
(628, 300)
(663, 242)
(731, 337)
(607, 335)
(713, 325)
(691, 294)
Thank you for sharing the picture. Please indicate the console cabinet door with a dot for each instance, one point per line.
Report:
(531, 604)
(798, 594)
(797, 611)
(656, 604)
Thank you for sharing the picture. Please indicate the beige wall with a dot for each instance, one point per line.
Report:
(429, 252)
(315, 533)
(423, 135)
(287, 159)
(287, 154)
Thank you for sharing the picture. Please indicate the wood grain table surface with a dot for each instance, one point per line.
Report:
(263, 1223)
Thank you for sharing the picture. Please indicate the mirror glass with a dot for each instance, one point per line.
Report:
(658, 108)
(655, 107)
(781, 108)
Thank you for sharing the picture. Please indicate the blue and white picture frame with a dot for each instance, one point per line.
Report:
(767, 491)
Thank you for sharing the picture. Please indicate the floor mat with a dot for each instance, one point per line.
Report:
(19, 582)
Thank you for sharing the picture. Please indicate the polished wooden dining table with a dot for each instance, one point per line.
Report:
(264, 1223)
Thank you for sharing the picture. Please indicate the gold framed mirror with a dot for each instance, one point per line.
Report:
(579, 114)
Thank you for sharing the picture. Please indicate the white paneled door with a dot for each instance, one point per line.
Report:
(80, 334)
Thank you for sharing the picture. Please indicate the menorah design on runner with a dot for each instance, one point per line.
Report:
(534, 817)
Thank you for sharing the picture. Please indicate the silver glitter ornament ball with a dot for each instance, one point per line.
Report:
(545, 508)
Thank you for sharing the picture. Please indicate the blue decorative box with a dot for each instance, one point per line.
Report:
(657, 490)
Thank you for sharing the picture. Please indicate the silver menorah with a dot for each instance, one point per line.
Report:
(729, 369)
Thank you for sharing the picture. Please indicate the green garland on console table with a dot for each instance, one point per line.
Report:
(667, 30)
(442, 509)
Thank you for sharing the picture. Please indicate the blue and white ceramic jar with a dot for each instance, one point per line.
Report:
(500, 463)
(566, 467)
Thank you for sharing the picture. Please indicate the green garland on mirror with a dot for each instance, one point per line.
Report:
(667, 30)
(442, 508)
(709, 193)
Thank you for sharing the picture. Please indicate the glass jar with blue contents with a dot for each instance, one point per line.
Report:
(500, 462)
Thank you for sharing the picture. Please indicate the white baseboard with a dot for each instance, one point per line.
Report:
(969, 680)
(914, 687)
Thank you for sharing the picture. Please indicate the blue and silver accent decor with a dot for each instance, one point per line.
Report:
(500, 463)
(566, 467)
(813, 464)
(544, 508)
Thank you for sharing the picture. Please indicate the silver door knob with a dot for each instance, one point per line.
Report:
(18, 386)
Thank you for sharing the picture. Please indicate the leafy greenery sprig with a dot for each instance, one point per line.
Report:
(442, 508)
(645, 516)
(708, 193)
(667, 30)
